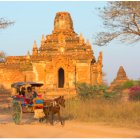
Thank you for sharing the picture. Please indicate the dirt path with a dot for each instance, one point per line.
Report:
(72, 129)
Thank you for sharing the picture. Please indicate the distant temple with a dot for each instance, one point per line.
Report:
(63, 59)
(120, 79)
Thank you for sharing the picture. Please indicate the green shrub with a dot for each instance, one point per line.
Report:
(87, 91)
(129, 84)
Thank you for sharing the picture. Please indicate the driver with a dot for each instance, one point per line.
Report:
(22, 92)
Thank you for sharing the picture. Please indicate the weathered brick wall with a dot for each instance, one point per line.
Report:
(83, 72)
(39, 72)
(10, 74)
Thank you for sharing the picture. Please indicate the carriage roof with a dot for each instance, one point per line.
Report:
(20, 84)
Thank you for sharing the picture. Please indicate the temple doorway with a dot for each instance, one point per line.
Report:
(60, 78)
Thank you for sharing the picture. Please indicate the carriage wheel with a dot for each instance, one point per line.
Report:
(16, 112)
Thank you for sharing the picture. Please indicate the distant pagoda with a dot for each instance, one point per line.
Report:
(120, 79)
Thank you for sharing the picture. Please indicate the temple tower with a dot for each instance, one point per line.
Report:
(63, 23)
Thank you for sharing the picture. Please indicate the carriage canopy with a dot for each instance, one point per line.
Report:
(19, 84)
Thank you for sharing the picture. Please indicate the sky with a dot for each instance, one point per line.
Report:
(32, 19)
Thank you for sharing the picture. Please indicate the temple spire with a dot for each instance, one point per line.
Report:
(87, 42)
(42, 41)
(35, 49)
(43, 38)
(121, 75)
(81, 39)
(100, 58)
(28, 53)
(28, 57)
(34, 46)
(81, 36)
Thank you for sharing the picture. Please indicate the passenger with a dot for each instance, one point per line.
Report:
(29, 96)
(34, 93)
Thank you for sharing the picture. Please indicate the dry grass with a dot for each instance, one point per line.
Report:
(113, 112)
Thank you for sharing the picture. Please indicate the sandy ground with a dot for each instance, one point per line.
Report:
(30, 128)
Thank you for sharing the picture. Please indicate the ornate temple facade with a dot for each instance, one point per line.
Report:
(63, 59)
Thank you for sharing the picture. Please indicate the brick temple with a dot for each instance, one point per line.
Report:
(63, 59)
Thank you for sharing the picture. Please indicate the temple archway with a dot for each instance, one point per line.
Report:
(61, 79)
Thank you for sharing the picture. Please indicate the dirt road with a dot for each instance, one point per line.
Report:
(72, 129)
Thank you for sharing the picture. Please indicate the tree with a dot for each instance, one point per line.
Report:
(122, 21)
(5, 23)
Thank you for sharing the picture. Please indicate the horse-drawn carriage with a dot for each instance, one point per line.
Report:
(26, 100)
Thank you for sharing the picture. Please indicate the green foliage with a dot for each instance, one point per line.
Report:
(117, 88)
(127, 85)
(130, 84)
(109, 95)
(113, 95)
(16, 112)
(86, 91)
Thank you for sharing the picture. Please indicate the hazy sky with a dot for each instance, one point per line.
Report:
(36, 18)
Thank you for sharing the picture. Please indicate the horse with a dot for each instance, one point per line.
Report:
(52, 107)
